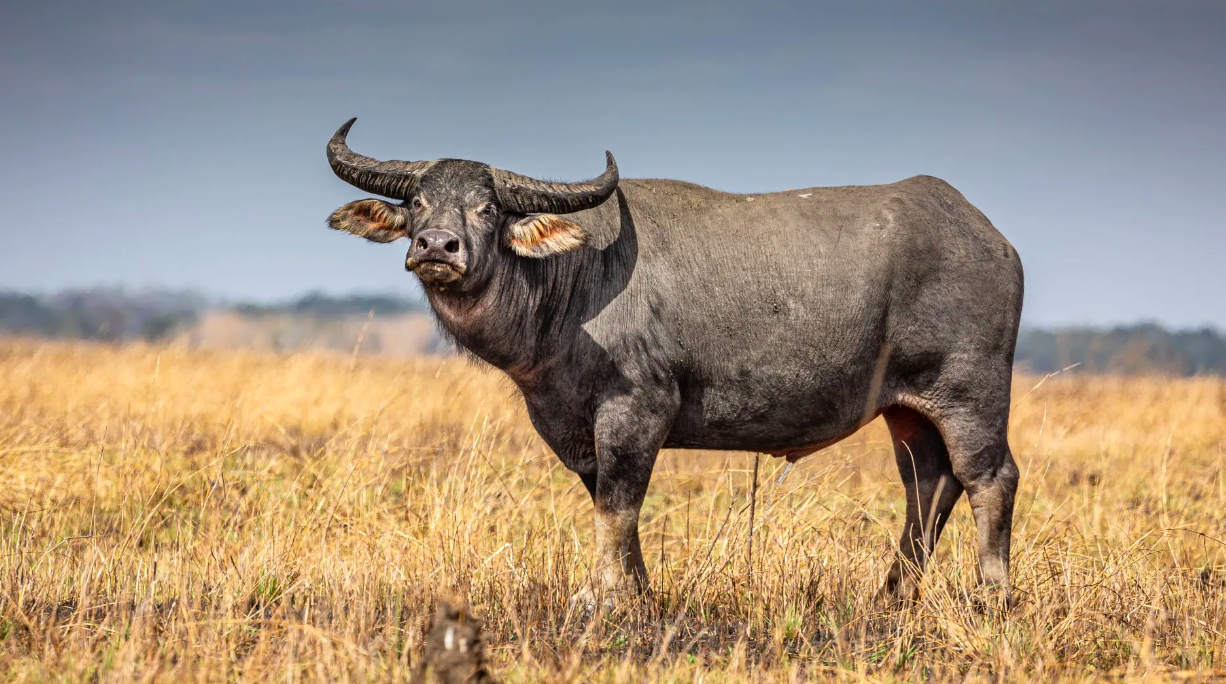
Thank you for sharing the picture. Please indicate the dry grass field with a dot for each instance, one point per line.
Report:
(187, 516)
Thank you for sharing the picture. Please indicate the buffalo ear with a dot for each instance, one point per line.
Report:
(373, 219)
(544, 235)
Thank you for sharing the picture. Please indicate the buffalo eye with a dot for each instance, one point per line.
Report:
(417, 203)
(488, 210)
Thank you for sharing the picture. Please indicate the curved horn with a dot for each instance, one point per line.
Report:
(530, 196)
(396, 179)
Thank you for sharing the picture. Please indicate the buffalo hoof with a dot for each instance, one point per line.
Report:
(590, 600)
(901, 589)
(992, 599)
(897, 596)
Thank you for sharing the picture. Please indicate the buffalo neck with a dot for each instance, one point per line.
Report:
(522, 320)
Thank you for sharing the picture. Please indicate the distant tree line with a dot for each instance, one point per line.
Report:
(1128, 349)
(117, 314)
(99, 314)
(319, 305)
(112, 314)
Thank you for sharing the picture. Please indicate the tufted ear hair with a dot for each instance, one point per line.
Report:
(373, 219)
(544, 235)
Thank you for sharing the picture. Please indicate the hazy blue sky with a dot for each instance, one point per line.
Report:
(182, 144)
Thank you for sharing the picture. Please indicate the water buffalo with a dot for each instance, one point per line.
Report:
(647, 314)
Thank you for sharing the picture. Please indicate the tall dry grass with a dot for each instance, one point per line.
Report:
(175, 515)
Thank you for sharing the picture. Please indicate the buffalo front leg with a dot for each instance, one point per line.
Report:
(629, 432)
(617, 558)
(931, 490)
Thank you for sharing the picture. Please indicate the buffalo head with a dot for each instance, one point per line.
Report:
(459, 214)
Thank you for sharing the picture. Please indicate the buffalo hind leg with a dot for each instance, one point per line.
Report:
(981, 460)
(932, 490)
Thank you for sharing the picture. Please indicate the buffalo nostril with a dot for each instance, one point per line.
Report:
(452, 246)
(421, 243)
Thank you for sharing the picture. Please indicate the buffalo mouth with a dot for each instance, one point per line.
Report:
(437, 272)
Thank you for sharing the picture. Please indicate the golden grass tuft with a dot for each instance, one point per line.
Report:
(188, 516)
